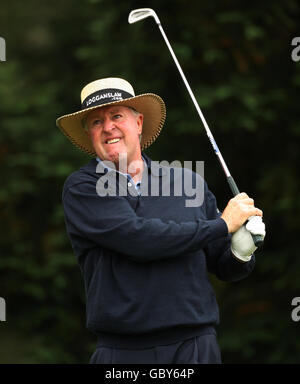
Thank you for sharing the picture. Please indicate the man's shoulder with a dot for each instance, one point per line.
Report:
(179, 171)
(184, 170)
(84, 174)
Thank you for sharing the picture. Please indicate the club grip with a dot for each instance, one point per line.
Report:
(258, 240)
(234, 189)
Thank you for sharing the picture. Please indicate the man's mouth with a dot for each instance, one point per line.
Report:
(112, 141)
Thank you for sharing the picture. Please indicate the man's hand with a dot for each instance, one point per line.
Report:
(242, 245)
(238, 210)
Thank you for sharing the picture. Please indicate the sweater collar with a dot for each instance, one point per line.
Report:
(153, 167)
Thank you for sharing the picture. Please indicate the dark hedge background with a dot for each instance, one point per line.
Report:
(237, 58)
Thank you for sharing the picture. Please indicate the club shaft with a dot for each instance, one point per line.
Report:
(258, 239)
(208, 131)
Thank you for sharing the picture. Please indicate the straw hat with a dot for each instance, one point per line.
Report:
(113, 91)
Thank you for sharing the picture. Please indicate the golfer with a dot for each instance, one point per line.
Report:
(144, 256)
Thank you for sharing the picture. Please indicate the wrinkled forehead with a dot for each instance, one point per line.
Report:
(101, 111)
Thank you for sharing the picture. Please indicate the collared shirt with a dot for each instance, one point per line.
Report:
(130, 179)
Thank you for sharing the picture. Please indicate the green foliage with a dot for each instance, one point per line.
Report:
(237, 58)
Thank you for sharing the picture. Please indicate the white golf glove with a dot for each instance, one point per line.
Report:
(242, 245)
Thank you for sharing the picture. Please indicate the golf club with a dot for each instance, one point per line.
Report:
(142, 13)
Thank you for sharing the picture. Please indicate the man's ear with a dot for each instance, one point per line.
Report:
(140, 120)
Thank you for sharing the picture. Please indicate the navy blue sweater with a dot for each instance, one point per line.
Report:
(145, 259)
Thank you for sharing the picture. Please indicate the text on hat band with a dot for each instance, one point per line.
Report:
(105, 96)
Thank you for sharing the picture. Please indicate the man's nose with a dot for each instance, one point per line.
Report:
(108, 125)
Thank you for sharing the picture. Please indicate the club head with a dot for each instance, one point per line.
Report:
(140, 14)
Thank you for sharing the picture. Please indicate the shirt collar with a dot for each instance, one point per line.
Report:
(105, 166)
(151, 166)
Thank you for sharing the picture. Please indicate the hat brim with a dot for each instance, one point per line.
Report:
(150, 105)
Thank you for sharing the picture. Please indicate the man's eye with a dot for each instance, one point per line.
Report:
(117, 116)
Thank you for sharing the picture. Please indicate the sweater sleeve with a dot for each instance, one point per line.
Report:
(111, 222)
(220, 260)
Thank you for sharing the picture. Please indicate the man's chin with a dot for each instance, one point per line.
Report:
(118, 158)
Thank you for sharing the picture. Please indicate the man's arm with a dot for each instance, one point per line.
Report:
(111, 222)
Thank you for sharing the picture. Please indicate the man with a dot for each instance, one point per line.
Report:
(144, 256)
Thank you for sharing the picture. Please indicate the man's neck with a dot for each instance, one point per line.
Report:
(135, 168)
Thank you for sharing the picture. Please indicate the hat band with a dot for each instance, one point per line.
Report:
(104, 96)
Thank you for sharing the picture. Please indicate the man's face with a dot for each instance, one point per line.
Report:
(114, 130)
